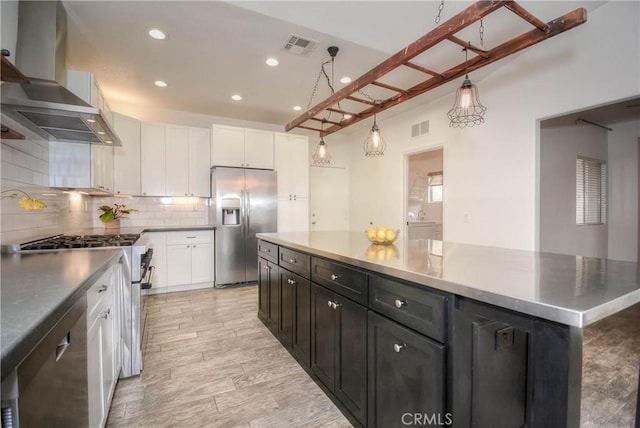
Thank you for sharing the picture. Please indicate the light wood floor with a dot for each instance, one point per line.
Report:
(209, 362)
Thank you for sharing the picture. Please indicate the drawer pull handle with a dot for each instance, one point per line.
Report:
(266, 250)
(292, 260)
(400, 303)
(334, 276)
(334, 305)
(397, 347)
(102, 289)
(191, 237)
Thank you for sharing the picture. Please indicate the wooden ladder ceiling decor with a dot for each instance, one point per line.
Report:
(445, 31)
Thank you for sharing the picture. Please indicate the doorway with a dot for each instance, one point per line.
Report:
(424, 194)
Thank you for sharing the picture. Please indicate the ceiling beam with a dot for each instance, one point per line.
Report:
(557, 26)
(472, 14)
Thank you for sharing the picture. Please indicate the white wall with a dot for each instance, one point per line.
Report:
(559, 148)
(491, 169)
(622, 213)
(9, 27)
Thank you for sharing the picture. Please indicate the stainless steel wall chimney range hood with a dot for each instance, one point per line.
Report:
(45, 106)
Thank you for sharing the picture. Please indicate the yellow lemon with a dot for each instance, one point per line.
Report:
(382, 228)
(371, 233)
(391, 235)
(381, 234)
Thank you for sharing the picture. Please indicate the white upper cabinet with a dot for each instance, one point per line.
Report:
(126, 159)
(199, 166)
(258, 149)
(227, 146)
(85, 86)
(102, 167)
(177, 158)
(292, 165)
(240, 147)
(153, 159)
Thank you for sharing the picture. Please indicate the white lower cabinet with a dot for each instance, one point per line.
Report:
(182, 260)
(103, 343)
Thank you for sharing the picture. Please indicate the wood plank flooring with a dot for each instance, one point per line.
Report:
(209, 362)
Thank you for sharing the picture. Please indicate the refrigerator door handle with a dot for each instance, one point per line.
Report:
(243, 214)
(247, 196)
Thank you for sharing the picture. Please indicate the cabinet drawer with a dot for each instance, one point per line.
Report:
(294, 261)
(100, 290)
(268, 250)
(418, 308)
(342, 279)
(190, 237)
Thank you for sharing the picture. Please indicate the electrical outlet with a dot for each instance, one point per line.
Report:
(466, 217)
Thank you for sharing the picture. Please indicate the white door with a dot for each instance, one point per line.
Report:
(258, 149)
(329, 201)
(201, 263)
(126, 159)
(178, 264)
(153, 157)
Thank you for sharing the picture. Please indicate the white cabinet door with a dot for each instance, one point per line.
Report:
(108, 353)
(94, 373)
(199, 164)
(158, 242)
(201, 263)
(292, 164)
(126, 159)
(177, 160)
(102, 167)
(227, 146)
(258, 149)
(153, 158)
(178, 264)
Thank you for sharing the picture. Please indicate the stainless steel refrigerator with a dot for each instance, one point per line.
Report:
(243, 202)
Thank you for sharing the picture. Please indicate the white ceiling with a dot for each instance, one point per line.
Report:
(215, 48)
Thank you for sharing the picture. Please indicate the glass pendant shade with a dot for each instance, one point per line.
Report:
(374, 145)
(321, 155)
(467, 109)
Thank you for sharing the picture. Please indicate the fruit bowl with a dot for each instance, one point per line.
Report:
(382, 235)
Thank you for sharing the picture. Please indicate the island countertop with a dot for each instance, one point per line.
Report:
(38, 289)
(571, 290)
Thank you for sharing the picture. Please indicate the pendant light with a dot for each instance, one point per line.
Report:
(467, 109)
(321, 155)
(374, 144)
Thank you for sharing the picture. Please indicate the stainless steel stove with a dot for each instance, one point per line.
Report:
(137, 274)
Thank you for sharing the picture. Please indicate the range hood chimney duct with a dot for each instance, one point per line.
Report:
(45, 106)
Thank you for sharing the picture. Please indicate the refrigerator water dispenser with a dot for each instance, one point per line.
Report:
(231, 211)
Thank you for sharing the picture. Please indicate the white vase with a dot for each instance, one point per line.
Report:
(112, 227)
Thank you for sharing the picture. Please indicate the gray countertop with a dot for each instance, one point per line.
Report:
(37, 290)
(571, 290)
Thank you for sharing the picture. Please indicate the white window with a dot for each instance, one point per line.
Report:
(434, 187)
(591, 191)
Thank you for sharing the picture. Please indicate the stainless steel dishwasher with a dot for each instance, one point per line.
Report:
(52, 380)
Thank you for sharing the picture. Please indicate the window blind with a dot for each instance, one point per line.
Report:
(591, 193)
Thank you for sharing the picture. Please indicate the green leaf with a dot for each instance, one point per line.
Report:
(107, 217)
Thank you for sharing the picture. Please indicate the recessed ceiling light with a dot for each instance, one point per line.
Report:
(347, 116)
(345, 80)
(236, 97)
(297, 108)
(157, 34)
(272, 62)
(160, 83)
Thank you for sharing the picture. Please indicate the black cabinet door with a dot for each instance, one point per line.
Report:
(273, 314)
(287, 293)
(263, 288)
(406, 376)
(301, 341)
(324, 335)
(351, 356)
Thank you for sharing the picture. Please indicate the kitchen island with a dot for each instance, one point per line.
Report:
(501, 329)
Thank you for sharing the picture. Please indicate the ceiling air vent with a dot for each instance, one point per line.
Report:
(419, 129)
(298, 45)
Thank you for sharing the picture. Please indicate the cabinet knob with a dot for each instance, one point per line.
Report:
(292, 260)
(400, 303)
(102, 289)
(399, 347)
(193, 246)
(292, 281)
(106, 314)
(334, 305)
(265, 267)
(118, 192)
(186, 194)
(334, 276)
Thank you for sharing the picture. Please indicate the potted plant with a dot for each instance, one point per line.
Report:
(111, 215)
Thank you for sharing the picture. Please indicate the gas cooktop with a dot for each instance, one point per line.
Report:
(60, 242)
